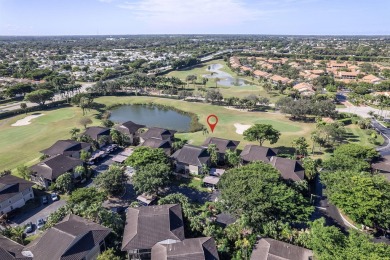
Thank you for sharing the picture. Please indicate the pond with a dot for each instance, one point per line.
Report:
(151, 116)
(225, 78)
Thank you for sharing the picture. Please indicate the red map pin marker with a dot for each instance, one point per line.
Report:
(212, 124)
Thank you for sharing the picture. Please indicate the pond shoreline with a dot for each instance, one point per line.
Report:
(194, 126)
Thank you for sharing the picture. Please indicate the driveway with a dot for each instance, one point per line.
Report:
(41, 212)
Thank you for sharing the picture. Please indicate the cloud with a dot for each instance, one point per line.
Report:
(106, 1)
(190, 14)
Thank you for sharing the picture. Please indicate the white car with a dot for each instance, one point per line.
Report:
(54, 197)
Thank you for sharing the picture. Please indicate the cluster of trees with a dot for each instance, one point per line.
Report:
(153, 170)
(250, 102)
(301, 108)
(328, 134)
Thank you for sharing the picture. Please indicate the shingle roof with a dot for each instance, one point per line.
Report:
(289, 169)
(70, 239)
(202, 248)
(225, 218)
(221, 144)
(271, 249)
(146, 226)
(129, 127)
(156, 143)
(257, 153)
(95, 131)
(53, 167)
(11, 185)
(191, 155)
(10, 250)
(159, 133)
(65, 147)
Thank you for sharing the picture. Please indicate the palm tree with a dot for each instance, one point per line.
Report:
(73, 132)
(216, 80)
(18, 234)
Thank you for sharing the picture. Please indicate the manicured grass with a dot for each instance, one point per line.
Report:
(357, 135)
(234, 91)
(227, 119)
(21, 144)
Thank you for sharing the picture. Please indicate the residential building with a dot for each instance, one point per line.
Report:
(371, 79)
(305, 89)
(97, 132)
(271, 249)
(47, 171)
(202, 248)
(276, 79)
(261, 74)
(252, 153)
(222, 145)
(10, 250)
(147, 226)
(158, 133)
(74, 238)
(289, 169)
(191, 159)
(347, 75)
(14, 193)
(158, 143)
(69, 148)
(130, 129)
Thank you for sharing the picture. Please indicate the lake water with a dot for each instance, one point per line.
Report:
(225, 78)
(151, 116)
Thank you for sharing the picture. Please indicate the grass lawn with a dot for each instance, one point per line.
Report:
(357, 135)
(227, 119)
(21, 144)
(234, 91)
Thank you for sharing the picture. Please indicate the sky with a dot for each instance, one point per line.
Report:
(113, 17)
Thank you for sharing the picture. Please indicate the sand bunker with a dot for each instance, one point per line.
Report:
(26, 120)
(240, 128)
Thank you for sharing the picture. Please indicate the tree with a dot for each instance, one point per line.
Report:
(356, 151)
(109, 254)
(232, 158)
(152, 177)
(310, 167)
(64, 183)
(39, 96)
(143, 155)
(24, 172)
(88, 195)
(118, 137)
(85, 155)
(257, 191)
(300, 146)
(24, 107)
(84, 121)
(213, 95)
(213, 151)
(17, 234)
(112, 181)
(262, 132)
(365, 198)
(73, 132)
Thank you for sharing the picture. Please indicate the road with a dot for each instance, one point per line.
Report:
(385, 132)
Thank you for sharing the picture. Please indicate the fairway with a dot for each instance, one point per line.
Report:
(233, 91)
(21, 144)
(227, 119)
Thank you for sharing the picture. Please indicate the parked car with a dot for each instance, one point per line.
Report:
(29, 228)
(40, 223)
(54, 197)
(44, 199)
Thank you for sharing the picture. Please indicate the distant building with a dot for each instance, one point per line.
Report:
(305, 89)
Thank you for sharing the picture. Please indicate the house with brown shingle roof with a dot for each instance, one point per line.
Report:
(10, 250)
(253, 153)
(130, 129)
(288, 168)
(371, 79)
(158, 133)
(305, 89)
(69, 148)
(147, 226)
(222, 145)
(191, 158)
(202, 248)
(74, 238)
(14, 193)
(47, 171)
(271, 249)
(276, 79)
(261, 74)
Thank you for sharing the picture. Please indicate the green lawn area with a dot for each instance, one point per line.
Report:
(227, 119)
(358, 135)
(234, 91)
(21, 144)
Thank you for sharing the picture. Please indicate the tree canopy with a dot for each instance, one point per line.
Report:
(151, 177)
(261, 133)
(112, 181)
(39, 96)
(145, 155)
(257, 191)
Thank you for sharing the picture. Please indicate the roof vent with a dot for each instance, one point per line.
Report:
(27, 254)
